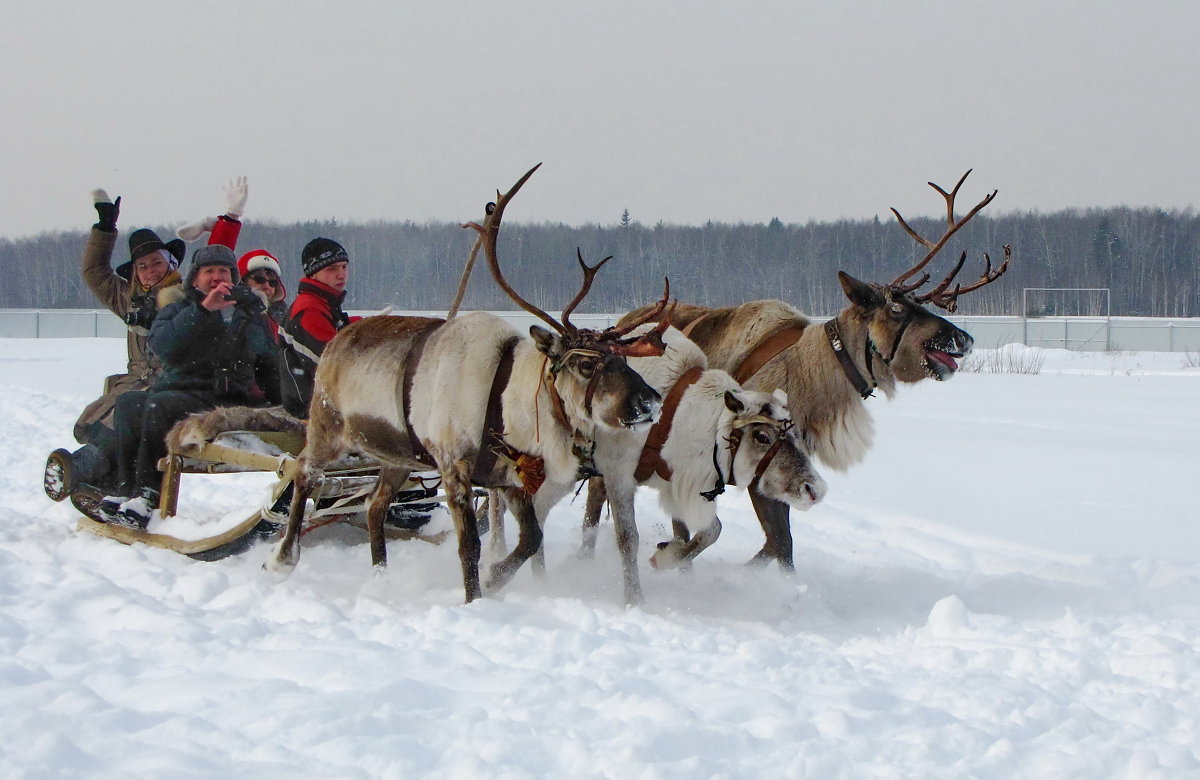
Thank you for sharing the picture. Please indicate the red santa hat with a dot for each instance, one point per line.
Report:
(256, 259)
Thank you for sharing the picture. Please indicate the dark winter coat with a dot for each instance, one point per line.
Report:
(315, 318)
(233, 361)
(118, 295)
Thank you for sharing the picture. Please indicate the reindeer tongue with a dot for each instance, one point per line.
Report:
(942, 358)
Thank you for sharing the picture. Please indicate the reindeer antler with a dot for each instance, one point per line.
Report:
(950, 302)
(589, 273)
(936, 295)
(650, 344)
(489, 231)
(660, 308)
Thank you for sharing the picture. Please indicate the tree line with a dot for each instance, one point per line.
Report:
(1149, 258)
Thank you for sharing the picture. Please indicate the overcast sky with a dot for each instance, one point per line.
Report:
(681, 112)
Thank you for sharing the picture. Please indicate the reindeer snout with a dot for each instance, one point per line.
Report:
(963, 342)
(644, 407)
(815, 489)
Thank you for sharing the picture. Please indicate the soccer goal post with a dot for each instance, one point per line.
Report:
(1076, 318)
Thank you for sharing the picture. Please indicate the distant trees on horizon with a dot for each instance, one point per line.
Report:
(1149, 258)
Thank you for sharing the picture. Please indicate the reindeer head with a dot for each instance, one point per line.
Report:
(912, 341)
(767, 452)
(588, 369)
(594, 381)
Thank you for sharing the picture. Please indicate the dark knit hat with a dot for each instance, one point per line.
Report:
(214, 254)
(322, 252)
(143, 242)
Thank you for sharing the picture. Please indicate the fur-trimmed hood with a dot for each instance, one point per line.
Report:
(176, 293)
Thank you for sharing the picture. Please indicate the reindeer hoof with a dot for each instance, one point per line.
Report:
(279, 566)
(669, 556)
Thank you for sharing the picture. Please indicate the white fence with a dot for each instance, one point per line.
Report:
(1149, 334)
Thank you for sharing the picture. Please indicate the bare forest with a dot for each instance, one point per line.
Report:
(1149, 258)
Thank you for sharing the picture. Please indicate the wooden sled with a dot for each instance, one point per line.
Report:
(341, 498)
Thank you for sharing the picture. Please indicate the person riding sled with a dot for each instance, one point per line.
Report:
(130, 292)
(314, 319)
(213, 338)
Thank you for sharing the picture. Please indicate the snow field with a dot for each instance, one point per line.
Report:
(1007, 587)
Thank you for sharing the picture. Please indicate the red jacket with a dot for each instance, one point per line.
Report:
(315, 318)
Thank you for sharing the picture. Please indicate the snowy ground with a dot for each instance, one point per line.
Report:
(1008, 587)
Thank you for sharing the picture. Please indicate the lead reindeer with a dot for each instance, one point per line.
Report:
(885, 335)
(478, 401)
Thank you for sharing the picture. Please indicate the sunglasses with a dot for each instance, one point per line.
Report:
(264, 278)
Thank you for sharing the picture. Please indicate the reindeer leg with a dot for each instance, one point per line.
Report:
(322, 446)
(773, 516)
(495, 511)
(528, 543)
(620, 498)
(680, 530)
(390, 480)
(679, 553)
(456, 481)
(287, 552)
(596, 496)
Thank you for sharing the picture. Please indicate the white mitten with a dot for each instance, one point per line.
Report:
(236, 192)
(100, 196)
(194, 230)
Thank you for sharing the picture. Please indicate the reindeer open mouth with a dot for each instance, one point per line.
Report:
(641, 420)
(941, 364)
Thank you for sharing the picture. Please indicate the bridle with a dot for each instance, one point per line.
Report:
(583, 446)
(864, 388)
(734, 443)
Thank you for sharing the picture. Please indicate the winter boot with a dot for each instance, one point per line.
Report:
(138, 511)
(66, 471)
(410, 517)
(107, 510)
(59, 478)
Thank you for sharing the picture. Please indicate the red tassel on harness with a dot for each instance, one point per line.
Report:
(531, 470)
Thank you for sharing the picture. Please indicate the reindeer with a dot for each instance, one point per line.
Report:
(885, 335)
(712, 432)
(476, 400)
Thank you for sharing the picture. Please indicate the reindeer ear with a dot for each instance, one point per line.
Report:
(733, 403)
(549, 344)
(860, 293)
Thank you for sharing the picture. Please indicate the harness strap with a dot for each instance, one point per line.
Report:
(556, 405)
(735, 442)
(864, 389)
(767, 348)
(651, 461)
(410, 366)
(767, 457)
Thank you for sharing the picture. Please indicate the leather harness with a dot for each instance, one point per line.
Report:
(834, 337)
(530, 469)
(651, 461)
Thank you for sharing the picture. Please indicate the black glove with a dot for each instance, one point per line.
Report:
(108, 215)
(245, 298)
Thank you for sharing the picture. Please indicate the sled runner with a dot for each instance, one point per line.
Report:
(240, 440)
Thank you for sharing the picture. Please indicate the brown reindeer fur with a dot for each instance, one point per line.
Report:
(824, 406)
(203, 427)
